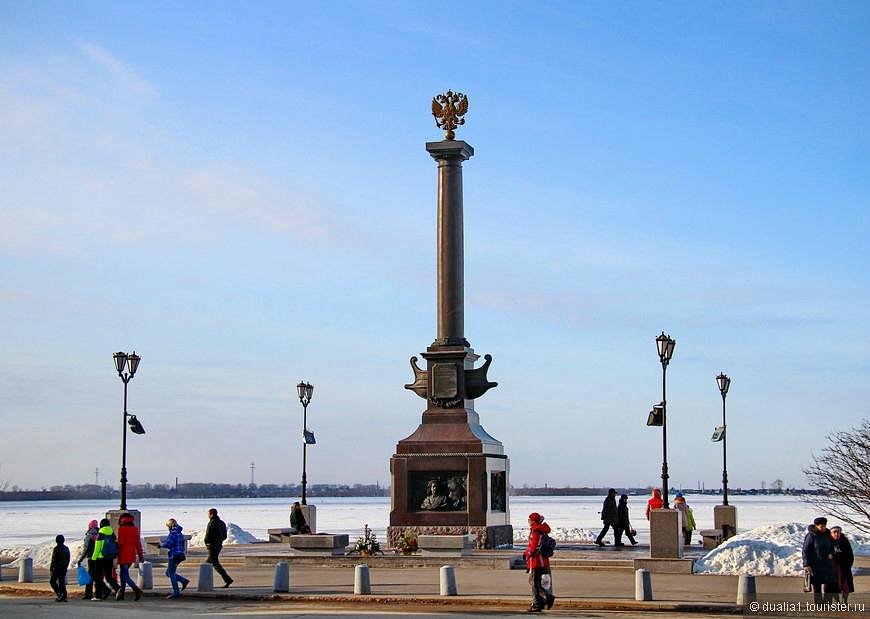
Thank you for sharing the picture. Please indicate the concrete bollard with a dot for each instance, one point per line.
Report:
(25, 570)
(205, 581)
(642, 586)
(362, 584)
(145, 579)
(746, 589)
(282, 578)
(448, 580)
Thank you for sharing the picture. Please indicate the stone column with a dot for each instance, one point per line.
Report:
(451, 279)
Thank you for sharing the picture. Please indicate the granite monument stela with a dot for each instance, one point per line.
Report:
(450, 477)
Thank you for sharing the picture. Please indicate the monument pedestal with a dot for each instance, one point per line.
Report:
(665, 534)
(725, 519)
(450, 477)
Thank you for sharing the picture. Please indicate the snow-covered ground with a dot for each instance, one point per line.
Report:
(770, 550)
(769, 544)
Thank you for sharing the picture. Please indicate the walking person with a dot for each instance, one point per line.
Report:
(87, 552)
(609, 517)
(175, 543)
(215, 534)
(538, 565)
(105, 552)
(624, 523)
(843, 560)
(655, 502)
(818, 560)
(58, 567)
(129, 549)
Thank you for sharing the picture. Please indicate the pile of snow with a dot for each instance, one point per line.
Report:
(560, 534)
(771, 550)
(40, 553)
(235, 535)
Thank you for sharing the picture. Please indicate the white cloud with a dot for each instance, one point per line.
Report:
(123, 73)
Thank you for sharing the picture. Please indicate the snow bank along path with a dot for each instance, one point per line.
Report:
(771, 550)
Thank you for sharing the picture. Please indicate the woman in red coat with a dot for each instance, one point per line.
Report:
(129, 548)
(655, 502)
(538, 565)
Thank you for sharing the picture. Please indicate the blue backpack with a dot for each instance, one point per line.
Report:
(110, 546)
(548, 546)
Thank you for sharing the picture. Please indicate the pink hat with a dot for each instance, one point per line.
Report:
(93, 524)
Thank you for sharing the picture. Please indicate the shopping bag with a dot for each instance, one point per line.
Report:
(83, 577)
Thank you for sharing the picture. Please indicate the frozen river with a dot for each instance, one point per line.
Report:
(33, 522)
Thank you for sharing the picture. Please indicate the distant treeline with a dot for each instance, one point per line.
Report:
(204, 490)
(192, 490)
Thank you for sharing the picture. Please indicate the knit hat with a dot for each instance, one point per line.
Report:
(92, 524)
(60, 539)
(820, 520)
(536, 517)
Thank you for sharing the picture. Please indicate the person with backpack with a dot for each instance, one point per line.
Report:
(215, 534)
(105, 552)
(87, 552)
(59, 565)
(609, 517)
(538, 563)
(175, 543)
(129, 549)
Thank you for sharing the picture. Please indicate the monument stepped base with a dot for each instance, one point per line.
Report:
(484, 537)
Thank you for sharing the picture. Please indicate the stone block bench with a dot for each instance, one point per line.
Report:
(279, 536)
(152, 545)
(322, 545)
(446, 545)
(711, 538)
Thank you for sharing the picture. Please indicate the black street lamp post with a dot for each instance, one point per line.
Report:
(724, 382)
(665, 345)
(126, 366)
(305, 392)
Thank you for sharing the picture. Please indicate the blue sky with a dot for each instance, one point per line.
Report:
(240, 192)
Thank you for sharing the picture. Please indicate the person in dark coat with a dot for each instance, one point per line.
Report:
(59, 565)
(818, 560)
(623, 524)
(215, 534)
(609, 517)
(297, 520)
(843, 559)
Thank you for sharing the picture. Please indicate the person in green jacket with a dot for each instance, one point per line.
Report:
(103, 572)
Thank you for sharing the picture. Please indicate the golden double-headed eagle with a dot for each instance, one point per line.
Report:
(448, 110)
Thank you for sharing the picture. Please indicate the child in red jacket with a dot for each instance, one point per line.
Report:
(538, 565)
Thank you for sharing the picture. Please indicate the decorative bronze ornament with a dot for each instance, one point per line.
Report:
(448, 110)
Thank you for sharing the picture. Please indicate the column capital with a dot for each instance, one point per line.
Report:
(450, 149)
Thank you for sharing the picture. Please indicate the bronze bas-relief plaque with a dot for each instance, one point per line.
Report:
(444, 380)
(442, 491)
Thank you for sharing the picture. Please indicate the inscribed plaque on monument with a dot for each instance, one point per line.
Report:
(444, 380)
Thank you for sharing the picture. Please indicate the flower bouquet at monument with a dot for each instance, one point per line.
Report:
(407, 543)
(367, 544)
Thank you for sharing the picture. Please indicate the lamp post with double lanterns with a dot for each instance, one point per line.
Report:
(665, 345)
(305, 390)
(126, 365)
(721, 434)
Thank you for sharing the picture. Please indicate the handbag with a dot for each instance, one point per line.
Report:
(82, 575)
(178, 558)
(808, 582)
